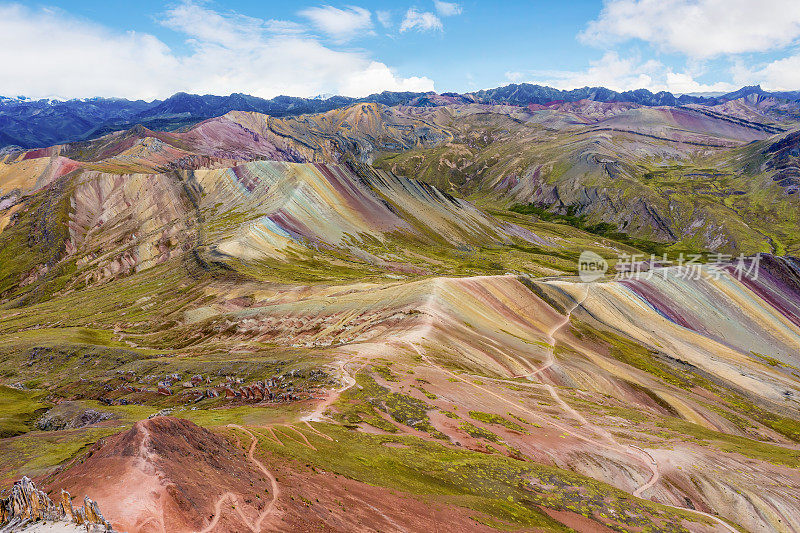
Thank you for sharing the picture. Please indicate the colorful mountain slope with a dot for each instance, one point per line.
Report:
(646, 170)
(355, 343)
(254, 217)
(672, 349)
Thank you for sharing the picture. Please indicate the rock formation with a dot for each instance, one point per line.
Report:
(25, 504)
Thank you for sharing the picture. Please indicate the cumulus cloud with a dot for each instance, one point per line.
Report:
(698, 28)
(447, 9)
(622, 74)
(420, 21)
(377, 77)
(779, 75)
(341, 24)
(610, 71)
(56, 54)
(684, 82)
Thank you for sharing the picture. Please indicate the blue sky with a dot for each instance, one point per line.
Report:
(151, 49)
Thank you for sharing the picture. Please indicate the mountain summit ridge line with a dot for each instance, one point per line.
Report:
(26, 123)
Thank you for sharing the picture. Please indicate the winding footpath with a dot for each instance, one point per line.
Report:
(254, 525)
(603, 437)
(551, 340)
(317, 414)
(607, 441)
(642, 454)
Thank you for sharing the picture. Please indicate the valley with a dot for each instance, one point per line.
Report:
(371, 318)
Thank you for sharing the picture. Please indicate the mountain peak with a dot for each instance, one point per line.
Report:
(36, 123)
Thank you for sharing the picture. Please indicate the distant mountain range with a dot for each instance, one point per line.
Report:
(396, 297)
(30, 123)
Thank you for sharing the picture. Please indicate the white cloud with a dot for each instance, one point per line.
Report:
(283, 26)
(420, 21)
(378, 77)
(56, 54)
(684, 82)
(698, 28)
(447, 9)
(231, 30)
(623, 74)
(611, 71)
(341, 24)
(779, 75)
(385, 18)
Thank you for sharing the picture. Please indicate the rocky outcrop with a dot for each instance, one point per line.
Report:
(784, 162)
(25, 504)
(70, 415)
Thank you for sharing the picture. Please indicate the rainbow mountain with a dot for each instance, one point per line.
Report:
(371, 317)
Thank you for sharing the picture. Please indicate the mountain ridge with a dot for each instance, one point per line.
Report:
(685, 177)
(28, 123)
(387, 295)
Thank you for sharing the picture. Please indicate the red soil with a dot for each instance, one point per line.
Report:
(170, 475)
(167, 474)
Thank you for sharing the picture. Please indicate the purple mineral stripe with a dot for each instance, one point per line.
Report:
(655, 299)
(778, 284)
